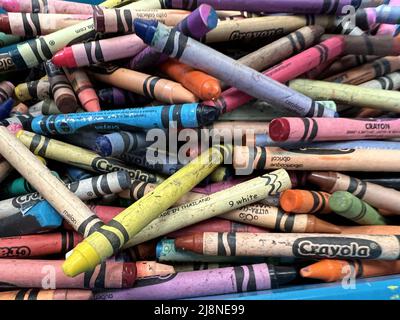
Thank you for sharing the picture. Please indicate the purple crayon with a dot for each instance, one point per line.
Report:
(205, 283)
(196, 25)
(224, 68)
(334, 7)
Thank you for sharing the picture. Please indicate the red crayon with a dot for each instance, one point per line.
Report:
(38, 245)
(332, 129)
(215, 225)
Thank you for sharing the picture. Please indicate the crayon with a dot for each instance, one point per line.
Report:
(367, 71)
(107, 275)
(373, 194)
(208, 282)
(46, 6)
(345, 204)
(287, 70)
(19, 109)
(45, 107)
(190, 115)
(5, 169)
(31, 53)
(300, 245)
(129, 222)
(388, 180)
(79, 157)
(83, 88)
(390, 81)
(216, 225)
(86, 189)
(146, 269)
(332, 129)
(118, 98)
(8, 39)
(21, 120)
(195, 25)
(5, 108)
(287, 6)
(378, 230)
(88, 53)
(345, 63)
(270, 217)
(193, 53)
(139, 189)
(75, 174)
(19, 187)
(383, 14)
(117, 143)
(218, 186)
(41, 217)
(282, 48)
(348, 94)
(305, 201)
(38, 245)
(120, 20)
(37, 294)
(260, 158)
(6, 90)
(38, 89)
(61, 89)
(149, 86)
(215, 204)
(369, 45)
(335, 270)
(53, 190)
(195, 266)
(36, 24)
(199, 83)
(267, 27)
(167, 252)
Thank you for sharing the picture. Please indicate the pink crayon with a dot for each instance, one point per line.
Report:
(389, 29)
(85, 54)
(331, 129)
(287, 70)
(46, 6)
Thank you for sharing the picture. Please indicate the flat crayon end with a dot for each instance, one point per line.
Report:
(340, 201)
(78, 262)
(145, 29)
(279, 129)
(64, 58)
(290, 200)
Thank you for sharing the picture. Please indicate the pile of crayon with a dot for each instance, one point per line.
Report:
(168, 149)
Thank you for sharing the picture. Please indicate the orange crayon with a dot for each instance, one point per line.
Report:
(334, 270)
(199, 83)
(377, 230)
(304, 201)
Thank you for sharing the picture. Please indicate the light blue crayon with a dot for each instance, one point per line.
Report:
(189, 115)
(387, 14)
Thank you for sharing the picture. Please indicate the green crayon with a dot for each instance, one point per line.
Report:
(350, 207)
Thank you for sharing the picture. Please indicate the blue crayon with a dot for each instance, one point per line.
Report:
(77, 174)
(117, 143)
(220, 66)
(5, 108)
(84, 139)
(39, 218)
(166, 164)
(189, 115)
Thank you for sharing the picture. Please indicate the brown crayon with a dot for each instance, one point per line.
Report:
(305, 201)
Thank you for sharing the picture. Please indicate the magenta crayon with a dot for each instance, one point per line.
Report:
(289, 69)
(83, 88)
(205, 282)
(331, 129)
(46, 6)
(85, 54)
(196, 25)
(215, 225)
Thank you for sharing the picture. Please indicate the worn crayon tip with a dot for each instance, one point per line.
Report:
(211, 90)
(145, 29)
(64, 58)
(326, 270)
(10, 5)
(92, 106)
(279, 129)
(193, 242)
(83, 258)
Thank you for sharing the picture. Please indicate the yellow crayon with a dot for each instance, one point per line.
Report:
(117, 232)
(80, 157)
